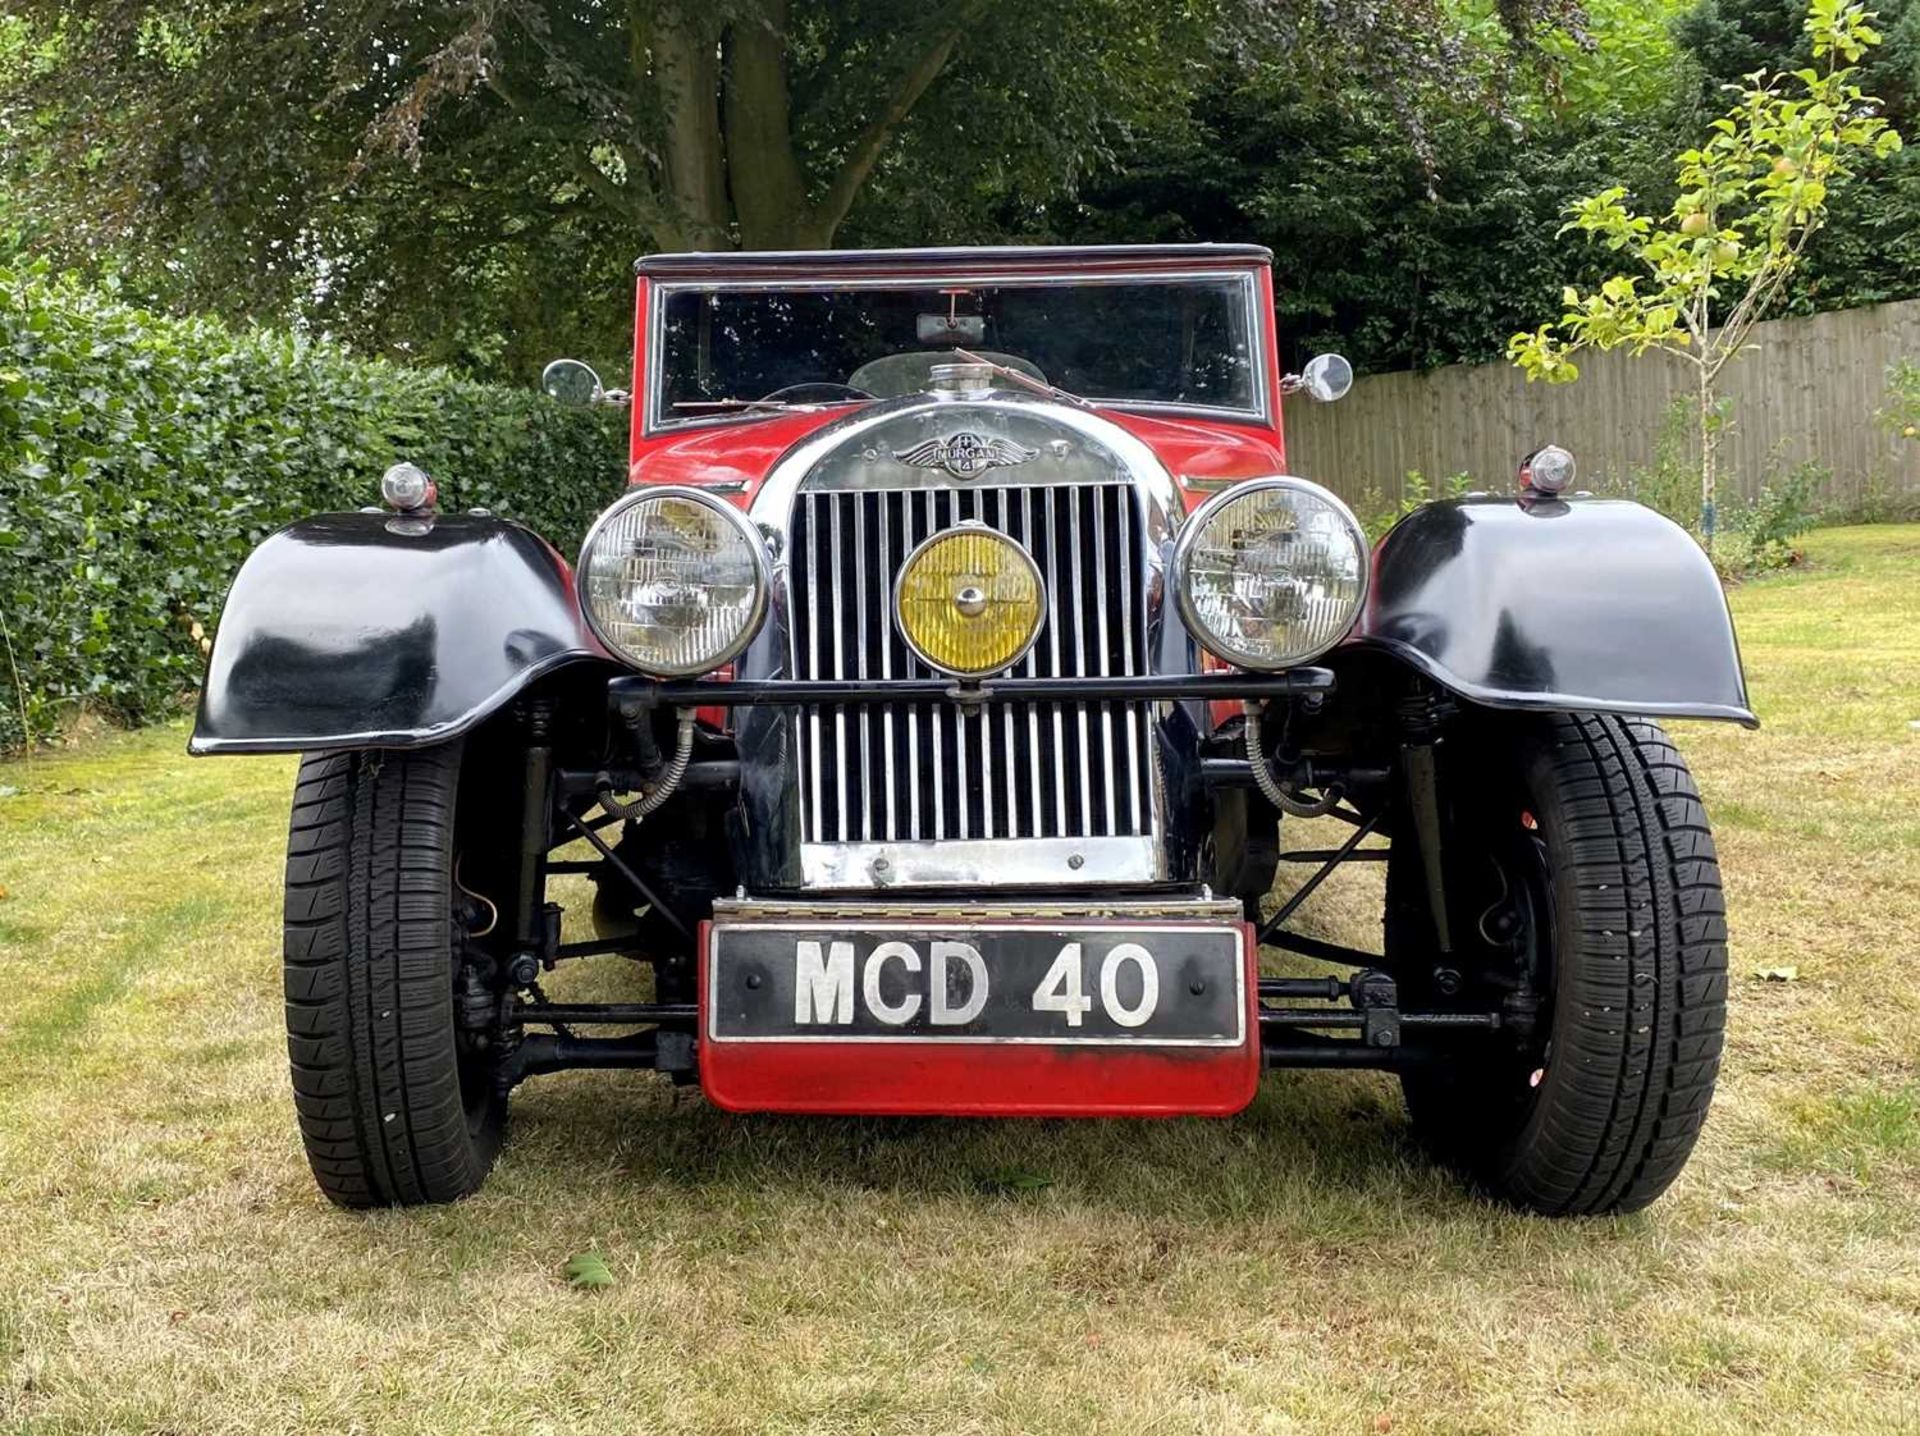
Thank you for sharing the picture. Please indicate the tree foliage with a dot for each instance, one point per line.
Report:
(1750, 199)
(1869, 249)
(467, 181)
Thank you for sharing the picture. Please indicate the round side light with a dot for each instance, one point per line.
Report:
(1548, 470)
(406, 487)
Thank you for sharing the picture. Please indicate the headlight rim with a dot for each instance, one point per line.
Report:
(1033, 568)
(1196, 522)
(743, 525)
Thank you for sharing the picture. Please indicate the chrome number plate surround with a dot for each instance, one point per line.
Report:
(978, 975)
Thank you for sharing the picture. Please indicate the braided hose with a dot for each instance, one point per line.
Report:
(676, 769)
(1270, 785)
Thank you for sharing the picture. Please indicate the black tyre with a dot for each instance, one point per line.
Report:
(396, 1106)
(1579, 865)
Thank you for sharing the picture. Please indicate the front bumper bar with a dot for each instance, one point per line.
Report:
(632, 695)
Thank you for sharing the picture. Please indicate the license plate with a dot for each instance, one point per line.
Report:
(1172, 984)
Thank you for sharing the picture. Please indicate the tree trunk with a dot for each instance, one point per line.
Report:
(686, 67)
(1709, 424)
(728, 165)
(769, 191)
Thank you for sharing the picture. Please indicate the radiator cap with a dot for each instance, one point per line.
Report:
(962, 378)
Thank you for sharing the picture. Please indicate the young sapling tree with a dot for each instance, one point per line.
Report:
(1750, 199)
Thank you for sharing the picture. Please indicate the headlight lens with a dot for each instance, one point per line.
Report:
(970, 601)
(674, 581)
(1271, 573)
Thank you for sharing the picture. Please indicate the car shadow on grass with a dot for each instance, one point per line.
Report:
(1332, 1146)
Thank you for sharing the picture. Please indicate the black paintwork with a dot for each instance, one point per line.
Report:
(1587, 604)
(377, 630)
(835, 693)
(725, 263)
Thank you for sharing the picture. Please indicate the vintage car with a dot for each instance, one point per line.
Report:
(930, 716)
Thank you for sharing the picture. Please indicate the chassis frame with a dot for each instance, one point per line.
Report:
(1298, 1017)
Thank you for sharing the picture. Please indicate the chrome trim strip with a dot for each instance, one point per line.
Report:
(1053, 643)
(1080, 620)
(1030, 516)
(982, 862)
(913, 714)
(1001, 506)
(839, 671)
(1197, 905)
(1106, 709)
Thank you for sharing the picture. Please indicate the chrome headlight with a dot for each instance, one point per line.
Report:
(674, 581)
(1270, 573)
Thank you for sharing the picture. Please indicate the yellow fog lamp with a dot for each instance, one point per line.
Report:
(969, 601)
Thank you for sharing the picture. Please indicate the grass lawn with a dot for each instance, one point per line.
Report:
(166, 1264)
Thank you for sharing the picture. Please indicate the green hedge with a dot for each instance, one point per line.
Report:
(141, 458)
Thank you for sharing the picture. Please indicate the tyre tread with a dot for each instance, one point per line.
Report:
(1640, 1016)
(368, 981)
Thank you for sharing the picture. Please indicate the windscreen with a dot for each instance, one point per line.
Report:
(1185, 342)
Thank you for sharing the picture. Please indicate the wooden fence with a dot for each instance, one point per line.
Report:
(1809, 391)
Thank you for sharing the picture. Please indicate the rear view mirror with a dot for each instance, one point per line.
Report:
(572, 382)
(950, 328)
(1327, 377)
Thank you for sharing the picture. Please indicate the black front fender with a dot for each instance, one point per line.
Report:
(374, 630)
(1589, 604)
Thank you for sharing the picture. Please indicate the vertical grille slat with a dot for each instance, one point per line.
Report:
(1052, 637)
(924, 771)
(887, 567)
(839, 627)
(861, 657)
(1004, 521)
(1133, 660)
(1076, 547)
(909, 540)
(815, 765)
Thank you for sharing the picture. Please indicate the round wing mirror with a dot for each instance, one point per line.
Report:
(571, 382)
(1327, 377)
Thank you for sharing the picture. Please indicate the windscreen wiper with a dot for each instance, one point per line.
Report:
(1026, 380)
(787, 405)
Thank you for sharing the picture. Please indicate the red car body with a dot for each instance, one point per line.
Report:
(1204, 455)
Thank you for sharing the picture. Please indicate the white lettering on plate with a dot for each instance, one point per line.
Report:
(894, 1014)
(823, 984)
(1110, 984)
(1063, 989)
(943, 1014)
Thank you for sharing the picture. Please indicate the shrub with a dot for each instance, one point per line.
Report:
(1901, 412)
(1379, 511)
(142, 458)
(1784, 509)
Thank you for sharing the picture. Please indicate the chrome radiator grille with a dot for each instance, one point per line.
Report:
(925, 771)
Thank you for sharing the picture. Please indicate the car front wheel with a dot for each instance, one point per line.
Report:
(396, 1104)
(1583, 893)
